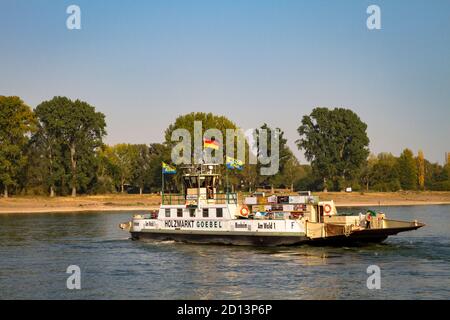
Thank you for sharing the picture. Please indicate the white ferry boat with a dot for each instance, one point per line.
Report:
(203, 215)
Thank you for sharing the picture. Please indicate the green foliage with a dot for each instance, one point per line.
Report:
(71, 131)
(141, 166)
(407, 170)
(336, 143)
(285, 157)
(158, 153)
(209, 121)
(17, 122)
(437, 177)
(58, 149)
(122, 157)
(384, 175)
(290, 171)
(106, 172)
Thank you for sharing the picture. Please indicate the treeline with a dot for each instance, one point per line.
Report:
(385, 172)
(336, 143)
(58, 149)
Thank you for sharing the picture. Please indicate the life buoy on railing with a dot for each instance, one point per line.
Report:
(327, 208)
(244, 211)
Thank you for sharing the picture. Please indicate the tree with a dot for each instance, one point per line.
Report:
(335, 142)
(285, 157)
(421, 169)
(208, 121)
(407, 170)
(141, 166)
(44, 169)
(292, 172)
(123, 156)
(437, 177)
(79, 129)
(366, 171)
(48, 153)
(17, 122)
(307, 180)
(158, 153)
(106, 171)
(384, 174)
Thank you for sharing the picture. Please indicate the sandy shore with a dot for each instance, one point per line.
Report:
(79, 204)
(148, 202)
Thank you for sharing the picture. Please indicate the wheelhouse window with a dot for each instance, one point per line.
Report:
(167, 211)
(219, 212)
(192, 213)
(205, 213)
(179, 213)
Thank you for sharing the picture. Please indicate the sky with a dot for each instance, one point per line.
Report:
(143, 63)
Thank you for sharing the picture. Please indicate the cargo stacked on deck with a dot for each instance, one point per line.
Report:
(279, 207)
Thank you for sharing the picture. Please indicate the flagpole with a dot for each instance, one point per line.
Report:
(162, 182)
(226, 175)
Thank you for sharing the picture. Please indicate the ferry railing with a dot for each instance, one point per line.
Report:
(219, 198)
(173, 198)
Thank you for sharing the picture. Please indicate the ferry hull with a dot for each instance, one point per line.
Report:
(366, 236)
(228, 239)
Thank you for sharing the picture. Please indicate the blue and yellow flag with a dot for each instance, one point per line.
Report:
(233, 163)
(167, 169)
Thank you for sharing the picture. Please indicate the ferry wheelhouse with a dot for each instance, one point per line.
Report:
(202, 214)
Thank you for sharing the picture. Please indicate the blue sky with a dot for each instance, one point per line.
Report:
(143, 63)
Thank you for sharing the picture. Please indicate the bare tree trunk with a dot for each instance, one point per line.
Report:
(122, 189)
(52, 190)
(140, 191)
(325, 185)
(74, 170)
(5, 192)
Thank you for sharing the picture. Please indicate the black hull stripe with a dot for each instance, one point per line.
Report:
(254, 240)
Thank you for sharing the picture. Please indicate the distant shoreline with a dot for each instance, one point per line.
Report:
(134, 203)
(390, 204)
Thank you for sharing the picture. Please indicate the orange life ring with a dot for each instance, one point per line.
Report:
(244, 211)
(327, 208)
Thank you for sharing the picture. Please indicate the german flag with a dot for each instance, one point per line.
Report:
(210, 144)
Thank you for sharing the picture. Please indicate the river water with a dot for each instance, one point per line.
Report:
(36, 249)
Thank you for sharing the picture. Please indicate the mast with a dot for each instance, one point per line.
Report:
(162, 186)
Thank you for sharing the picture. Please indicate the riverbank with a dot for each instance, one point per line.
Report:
(119, 202)
(114, 202)
(373, 199)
